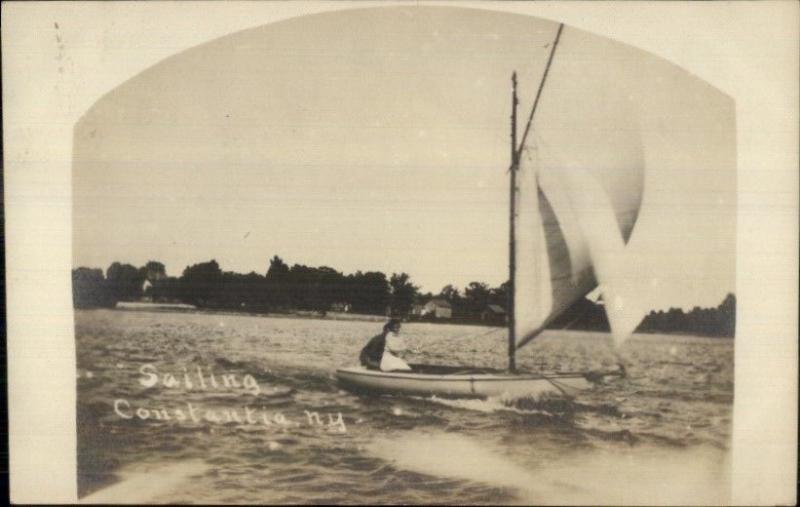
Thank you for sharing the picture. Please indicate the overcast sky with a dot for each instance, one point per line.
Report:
(374, 139)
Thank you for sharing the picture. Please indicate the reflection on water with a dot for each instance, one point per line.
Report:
(660, 435)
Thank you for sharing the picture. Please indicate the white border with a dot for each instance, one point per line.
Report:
(747, 49)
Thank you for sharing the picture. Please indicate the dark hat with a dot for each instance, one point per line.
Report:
(393, 325)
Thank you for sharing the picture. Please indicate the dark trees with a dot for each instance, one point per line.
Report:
(153, 271)
(124, 281)
(403, 293)
(369, 292)
(201, 284)
(90, 289)
(719, 321)
(476, 298)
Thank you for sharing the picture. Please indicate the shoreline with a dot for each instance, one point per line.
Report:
(342, 317)
(175, 308)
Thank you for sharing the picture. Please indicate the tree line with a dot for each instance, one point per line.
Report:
(281, 287)
(284, 288)
(716, 322)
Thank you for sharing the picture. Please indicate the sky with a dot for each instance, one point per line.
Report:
(377, 139)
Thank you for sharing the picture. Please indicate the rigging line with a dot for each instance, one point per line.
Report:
(557, 386)
(527, 153)
(541, 85)
(495, 330)
(475, 337)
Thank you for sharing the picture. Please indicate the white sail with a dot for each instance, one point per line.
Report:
(612, 264)
(580, 188)
(568, 235)
(533, 292)
(615, 177)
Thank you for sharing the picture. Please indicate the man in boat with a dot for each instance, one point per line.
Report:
(379, 352)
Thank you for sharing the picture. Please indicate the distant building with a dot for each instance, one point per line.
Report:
(438, 308)
(417, 310)
(340, 307)
(494, 314)
(147, 290)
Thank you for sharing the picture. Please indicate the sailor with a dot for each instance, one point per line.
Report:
(379, 352)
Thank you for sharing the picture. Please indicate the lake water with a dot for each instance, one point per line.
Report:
(661, 435)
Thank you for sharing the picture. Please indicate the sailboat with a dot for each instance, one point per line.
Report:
(570, 219)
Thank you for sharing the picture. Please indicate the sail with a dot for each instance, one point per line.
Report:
(581, 179)
(612, 264)
(628, 164)
(533, 294)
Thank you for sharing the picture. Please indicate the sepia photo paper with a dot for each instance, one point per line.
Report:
(473, 253)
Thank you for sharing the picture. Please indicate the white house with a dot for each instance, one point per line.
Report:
(439, 308)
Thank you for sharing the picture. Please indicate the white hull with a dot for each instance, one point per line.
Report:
(464, 383)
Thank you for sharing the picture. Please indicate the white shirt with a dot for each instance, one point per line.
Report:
(390, 362)
(395, 343)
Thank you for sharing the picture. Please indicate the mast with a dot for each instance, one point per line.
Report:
(512, 248)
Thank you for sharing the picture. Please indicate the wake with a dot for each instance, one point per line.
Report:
(634, 477)
(145, 486)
